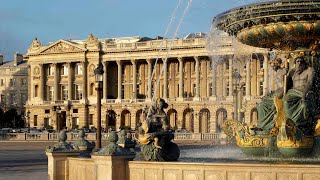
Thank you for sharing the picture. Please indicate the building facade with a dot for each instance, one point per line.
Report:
(199, 91)
(13, 83)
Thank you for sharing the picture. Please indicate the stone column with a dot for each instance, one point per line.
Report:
(56, 82)
(248, 79)
(134, 83)
(42, 84)
(213, 81)
(165, 79)
(180, 98)
(230, 78)
(84, 81)
(149, 95)
(70, 74)
(197, 97)
(105, 80)
(118, 100)
(265, 74)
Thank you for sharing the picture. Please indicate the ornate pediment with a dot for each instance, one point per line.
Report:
(62, 46)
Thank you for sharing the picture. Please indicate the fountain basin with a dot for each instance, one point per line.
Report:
(285, 25)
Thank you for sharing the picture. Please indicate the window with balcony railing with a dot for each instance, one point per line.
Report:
(64, 92)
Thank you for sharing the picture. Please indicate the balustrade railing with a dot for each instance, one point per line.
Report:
(214, 137)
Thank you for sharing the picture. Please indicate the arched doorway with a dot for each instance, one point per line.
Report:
(254, 116)
(111, 120)
(125, 119)
(172, 115)
(221, 116)
(204, 121)
(188, 123)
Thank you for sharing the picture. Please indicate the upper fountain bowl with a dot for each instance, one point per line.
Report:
(285, 25)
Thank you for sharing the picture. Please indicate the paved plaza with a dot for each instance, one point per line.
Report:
(28, 161)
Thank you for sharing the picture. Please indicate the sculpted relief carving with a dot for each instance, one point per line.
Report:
(61, 47)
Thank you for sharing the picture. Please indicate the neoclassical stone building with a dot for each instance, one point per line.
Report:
(199, 93)
(13, 83)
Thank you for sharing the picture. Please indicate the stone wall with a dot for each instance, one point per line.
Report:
(118, 168)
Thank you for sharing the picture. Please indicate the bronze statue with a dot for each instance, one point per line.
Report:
(155, 135)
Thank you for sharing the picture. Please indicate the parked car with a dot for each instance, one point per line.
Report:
(5, 130)
(33, 130)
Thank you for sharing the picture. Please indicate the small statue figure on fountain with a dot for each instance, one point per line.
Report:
(155, 136)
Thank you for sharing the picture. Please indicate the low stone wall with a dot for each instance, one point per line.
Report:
(221, 171)
(62, 167)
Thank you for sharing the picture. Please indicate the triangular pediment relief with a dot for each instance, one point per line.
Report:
(62, 46)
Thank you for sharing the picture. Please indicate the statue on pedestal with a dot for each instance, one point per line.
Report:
(155, 135)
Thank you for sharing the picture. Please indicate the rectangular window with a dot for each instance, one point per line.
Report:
(78, 92)
(23, 99)
(3, 100)
(46, 122)
(35, 120)
(47, 111)
(64, 70)
(24, 82)
(75, 110)
(12, 99)
(12, 82)
(79, 69)
(90, 119)
(64, 92)
(75, 123)
(1, 82)
(50, 95)
(261, 88)
(51, 70)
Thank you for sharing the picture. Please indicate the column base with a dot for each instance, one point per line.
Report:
(196, 99)
(118, 101)
(229, 98)
(248, 98)
(179, 98)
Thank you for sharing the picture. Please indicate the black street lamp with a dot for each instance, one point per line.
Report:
(98, 72)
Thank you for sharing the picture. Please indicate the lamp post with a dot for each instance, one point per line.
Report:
(98, 72)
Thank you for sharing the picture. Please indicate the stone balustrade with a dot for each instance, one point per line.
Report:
(215, 137)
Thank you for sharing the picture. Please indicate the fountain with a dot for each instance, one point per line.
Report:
(288, 124)
(288, 118)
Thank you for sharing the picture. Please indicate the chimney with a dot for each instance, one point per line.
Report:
(17, 59)
(1, 59)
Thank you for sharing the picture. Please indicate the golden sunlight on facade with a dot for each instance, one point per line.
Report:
(200, 94)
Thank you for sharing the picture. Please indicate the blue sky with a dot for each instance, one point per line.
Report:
(49, 20)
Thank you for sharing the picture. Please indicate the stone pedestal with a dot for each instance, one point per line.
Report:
(111, 167)
(58, 166)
